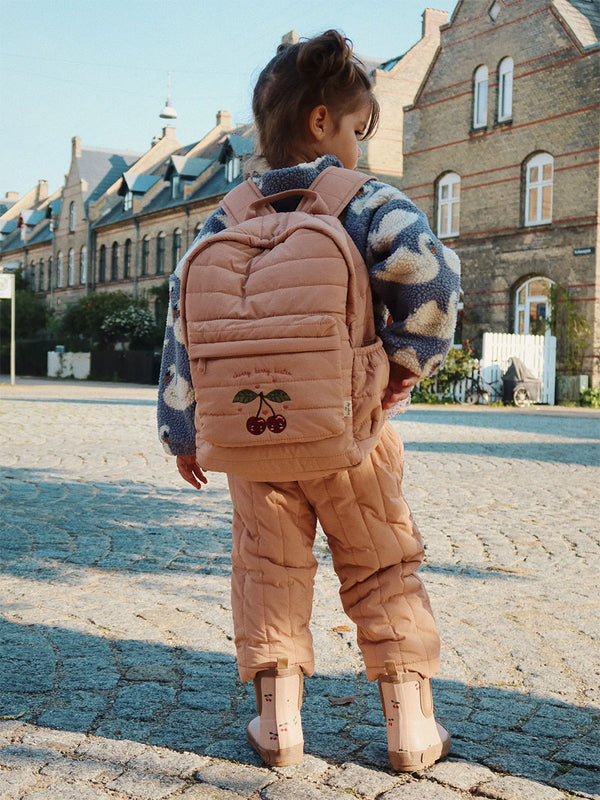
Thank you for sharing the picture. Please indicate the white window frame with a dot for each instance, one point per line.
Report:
(233, 167)
(83, 265)
(536, 188)
(71, 267)
(59, 271)
(175, 186)
(448, 198)
(522, 309)
(505, 89)
(480, 97)
(128, 201)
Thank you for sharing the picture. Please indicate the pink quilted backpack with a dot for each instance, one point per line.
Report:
(277, 317)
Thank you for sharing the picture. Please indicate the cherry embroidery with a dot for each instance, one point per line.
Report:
(256, 425)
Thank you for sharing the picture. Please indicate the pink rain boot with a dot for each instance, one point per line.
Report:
(276, 734)
(415, 739)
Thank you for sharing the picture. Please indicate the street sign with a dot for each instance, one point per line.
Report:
(7, 292)
(7, 286)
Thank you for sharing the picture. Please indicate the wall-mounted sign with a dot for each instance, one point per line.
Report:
(584, 251)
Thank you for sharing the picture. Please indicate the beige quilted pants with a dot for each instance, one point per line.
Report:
(376, 549)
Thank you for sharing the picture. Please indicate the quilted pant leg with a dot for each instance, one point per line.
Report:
(376, 549)
(273, 569)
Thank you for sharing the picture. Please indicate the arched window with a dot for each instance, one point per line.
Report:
(72, 217)
(83, 265)
(505, 86)
(127, 260)
(480, 93)
(114, 262)
(41, 276)
(50, 273)
(59, 271)
(102, 265)
(539, 178)
(160, 254)
(532, 306)
(145, 254)
(177, 234)
(448, 198)
(71, 268)
(32, 276)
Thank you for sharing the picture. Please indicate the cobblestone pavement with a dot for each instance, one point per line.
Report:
(117, 672)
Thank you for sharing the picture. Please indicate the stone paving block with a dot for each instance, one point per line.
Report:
(162, 761)
(580, 780)
(509, 787)
(581, 755)
(111, 750)
(540, 726)
(145, 786)
(423, 790)
(239, 778)
(298, 790)
(205, 701)
(66, 792)
(362, 780)
(81, 769)
(17, 756)
(310, 768)
(205, 791)
(534, 767)
(142, 700)
(459, 774)
(15, 783)
(67, 718)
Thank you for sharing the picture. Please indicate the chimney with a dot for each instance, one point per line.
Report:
(42, 190)
(12, 196)
(432, 20)
(224, 119)
(168, 132)
(292, 37)
(76, 147)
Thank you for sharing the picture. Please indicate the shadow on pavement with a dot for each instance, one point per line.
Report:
(580, 424)
(186, 699)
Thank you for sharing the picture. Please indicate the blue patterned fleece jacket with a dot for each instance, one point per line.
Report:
(414, 278)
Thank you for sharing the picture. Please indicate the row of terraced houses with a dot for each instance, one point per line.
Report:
(490, 123)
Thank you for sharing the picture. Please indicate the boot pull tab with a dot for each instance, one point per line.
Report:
(391, 669)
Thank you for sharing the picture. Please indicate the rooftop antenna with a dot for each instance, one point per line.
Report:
(168, 111)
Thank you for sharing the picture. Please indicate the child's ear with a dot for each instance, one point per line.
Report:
(318, 122)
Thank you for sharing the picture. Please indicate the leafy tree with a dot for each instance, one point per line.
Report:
(81, 324)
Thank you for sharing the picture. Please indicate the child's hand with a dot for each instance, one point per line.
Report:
(190, 471)
(401, 382)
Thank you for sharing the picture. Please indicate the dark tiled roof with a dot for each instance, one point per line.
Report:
(139, 184)
(189, 167)
(100, 168)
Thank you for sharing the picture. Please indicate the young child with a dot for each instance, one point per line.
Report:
(312, 104)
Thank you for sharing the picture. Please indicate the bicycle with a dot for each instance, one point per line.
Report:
(476, 389)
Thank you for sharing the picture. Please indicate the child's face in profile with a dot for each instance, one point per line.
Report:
(342, 140)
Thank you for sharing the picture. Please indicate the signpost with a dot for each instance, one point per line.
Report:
(7, 292)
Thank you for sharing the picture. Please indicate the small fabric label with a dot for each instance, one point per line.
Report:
(347, 408)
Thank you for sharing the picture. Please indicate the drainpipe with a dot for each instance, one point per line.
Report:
(136, 257)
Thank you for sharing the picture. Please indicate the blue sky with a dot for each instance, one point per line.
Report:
(99, 70)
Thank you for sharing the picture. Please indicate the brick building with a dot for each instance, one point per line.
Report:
(501, 151)
(122, 220)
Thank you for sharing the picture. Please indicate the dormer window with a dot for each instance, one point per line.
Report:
(175, 186)
(233, 167)
(128, 201)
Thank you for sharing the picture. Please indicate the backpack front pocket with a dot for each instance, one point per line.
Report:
(268, 381)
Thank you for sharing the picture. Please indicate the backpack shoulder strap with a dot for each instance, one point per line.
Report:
(235, 203)
(336, 186)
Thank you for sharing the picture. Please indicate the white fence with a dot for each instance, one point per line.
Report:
(538, 353)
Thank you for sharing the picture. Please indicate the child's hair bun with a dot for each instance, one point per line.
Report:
(327, 57)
